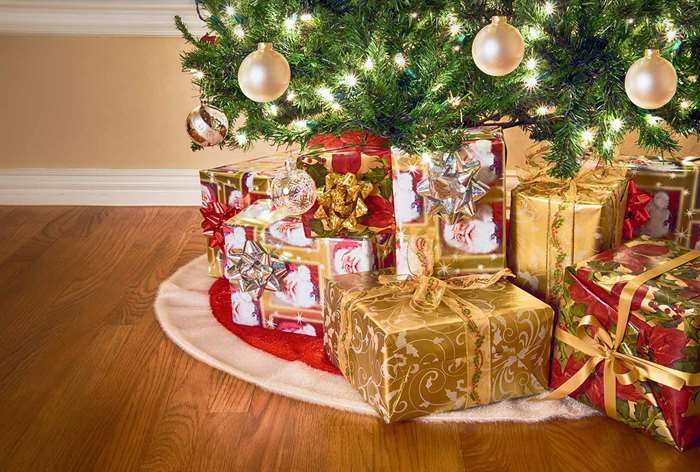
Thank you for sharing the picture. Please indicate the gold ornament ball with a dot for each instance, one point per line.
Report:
(293, 190)
(264, 74)
(498, 48)
(206, 125)
(651, 81)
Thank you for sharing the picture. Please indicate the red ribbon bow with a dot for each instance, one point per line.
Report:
(215, 215)
(636, 213)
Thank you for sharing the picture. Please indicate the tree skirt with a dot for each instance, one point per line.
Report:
(183, 309)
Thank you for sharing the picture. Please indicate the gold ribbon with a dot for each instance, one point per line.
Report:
(424, 294)
(619, 367)
(342, 202)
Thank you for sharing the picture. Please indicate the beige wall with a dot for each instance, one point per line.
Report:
(112, 103)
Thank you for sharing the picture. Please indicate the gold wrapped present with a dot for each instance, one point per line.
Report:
(475, 242)
(423, 345)
(555, 223)
(233, 188)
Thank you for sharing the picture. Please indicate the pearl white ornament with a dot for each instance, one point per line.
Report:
(264, 74)
(651, 81)
(498, 48)
(206, 125)
(293, 190)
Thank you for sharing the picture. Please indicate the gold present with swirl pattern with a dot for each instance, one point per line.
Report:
(407, 363)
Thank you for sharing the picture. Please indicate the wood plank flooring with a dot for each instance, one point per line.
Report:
(89, 382)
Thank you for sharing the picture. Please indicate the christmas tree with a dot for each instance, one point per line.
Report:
(405, 70)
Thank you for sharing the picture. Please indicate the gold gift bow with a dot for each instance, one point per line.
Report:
(424, 293)
(342, 202)
(602, 348)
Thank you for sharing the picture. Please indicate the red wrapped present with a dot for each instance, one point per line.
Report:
(628, 338)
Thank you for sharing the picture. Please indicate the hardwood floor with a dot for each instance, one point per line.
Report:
(89, 382)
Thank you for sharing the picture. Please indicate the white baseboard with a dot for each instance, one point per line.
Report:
(97, 17)
(109, 187)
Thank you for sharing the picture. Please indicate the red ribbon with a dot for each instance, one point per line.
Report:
(636, 213)
(215, 215)
(353, 140)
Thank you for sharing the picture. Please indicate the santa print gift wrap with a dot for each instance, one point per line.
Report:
(555, 223)
(674, 208)
(628, 338)
(471, 245)
(424, 345)
(297, 307)
(227, 190)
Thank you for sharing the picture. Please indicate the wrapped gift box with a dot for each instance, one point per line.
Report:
(297, 307)
(554, 224)
(236, 186)
(660, 326)
(472, 245)
(409, 360)
(366, 157)
(674, 211)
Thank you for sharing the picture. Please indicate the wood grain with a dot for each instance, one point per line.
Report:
(89, 382)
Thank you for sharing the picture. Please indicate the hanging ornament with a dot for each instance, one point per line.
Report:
(206, 125)
(651, 81)
(264, 74)
(451, 189)
(254, 269)
(293, 190)
(498, 48)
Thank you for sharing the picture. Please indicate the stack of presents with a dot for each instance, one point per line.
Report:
(438, 297)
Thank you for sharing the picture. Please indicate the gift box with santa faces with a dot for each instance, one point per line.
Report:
(472, 244)
(628, 338)
(297, 305)
(555, 223)
(674, 209)
(232, 188)
(423, 345)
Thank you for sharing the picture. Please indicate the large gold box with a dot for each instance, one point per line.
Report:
(478, 346)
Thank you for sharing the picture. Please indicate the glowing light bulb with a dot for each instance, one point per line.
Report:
(299, 125)
(290, 23)
(607, 144)
(671, 35)
(531, 64)
(306, 17)
(616, 124)
(548, 8)
(455, 28)
(325, 93)
(542, 110)
(413, 15)
(530, 83)
(685, 104)
(456, 48)
(291, 96)
(425, 157)
(336, 106)
(238, 31)
(229, 10)
(652, 120)
(368, 65)
(587, 136)
(534, 33)
(399, 60)
(629, 21)
(197, 74)
(350, 79)
(273, 109)
(241, 139)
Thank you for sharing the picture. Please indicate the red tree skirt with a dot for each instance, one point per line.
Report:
(289, 346)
